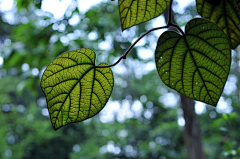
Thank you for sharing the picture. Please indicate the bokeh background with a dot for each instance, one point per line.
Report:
(142, 119)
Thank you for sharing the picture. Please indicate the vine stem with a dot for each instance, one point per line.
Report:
(170, 13)
(237, 3)
(178, 28)
(130, 48)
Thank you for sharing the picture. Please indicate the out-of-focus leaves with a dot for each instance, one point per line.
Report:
(217, 123)
(75, 90)
(226, 15)
(24, 4)
(196, 64)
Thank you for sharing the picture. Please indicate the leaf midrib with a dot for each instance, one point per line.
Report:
(65, 68)
(71, 91)
(184, 37)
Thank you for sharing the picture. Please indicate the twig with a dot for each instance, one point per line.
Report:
(237, 3)
(130, 48)
(170, 14)
(178, 28)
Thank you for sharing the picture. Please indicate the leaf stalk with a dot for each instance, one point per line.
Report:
(149, 31)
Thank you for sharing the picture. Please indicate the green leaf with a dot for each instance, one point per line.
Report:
(75, 89)
(218, 122)
(226, 15)
(214, 2)
(134, 12)
(196, 64)
(225, 116)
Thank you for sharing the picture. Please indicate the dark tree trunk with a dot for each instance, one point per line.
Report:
(192, 135)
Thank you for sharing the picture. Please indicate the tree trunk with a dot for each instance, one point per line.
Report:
(192, 135)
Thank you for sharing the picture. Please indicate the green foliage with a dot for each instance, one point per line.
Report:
(26, 132)
(195, 64)
(86, 88)
(225, 14)
(22, 4)
(134, 12)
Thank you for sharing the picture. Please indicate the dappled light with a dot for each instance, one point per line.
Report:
(133, 113)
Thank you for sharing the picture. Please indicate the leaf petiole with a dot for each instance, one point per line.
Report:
(237, 3)
(130, 48)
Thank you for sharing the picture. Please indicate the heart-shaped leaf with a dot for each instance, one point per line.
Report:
(75, 89)
(196, 64)
(134, 12)
(224, 13)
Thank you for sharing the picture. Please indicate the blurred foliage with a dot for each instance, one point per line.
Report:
(34, 38)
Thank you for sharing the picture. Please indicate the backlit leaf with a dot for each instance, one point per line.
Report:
(196, 64)
(133, 12)
(225, 14)
(75, 90)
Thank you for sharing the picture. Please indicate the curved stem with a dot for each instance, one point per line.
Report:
(178, 28)
(170, 14)
(130, 48)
